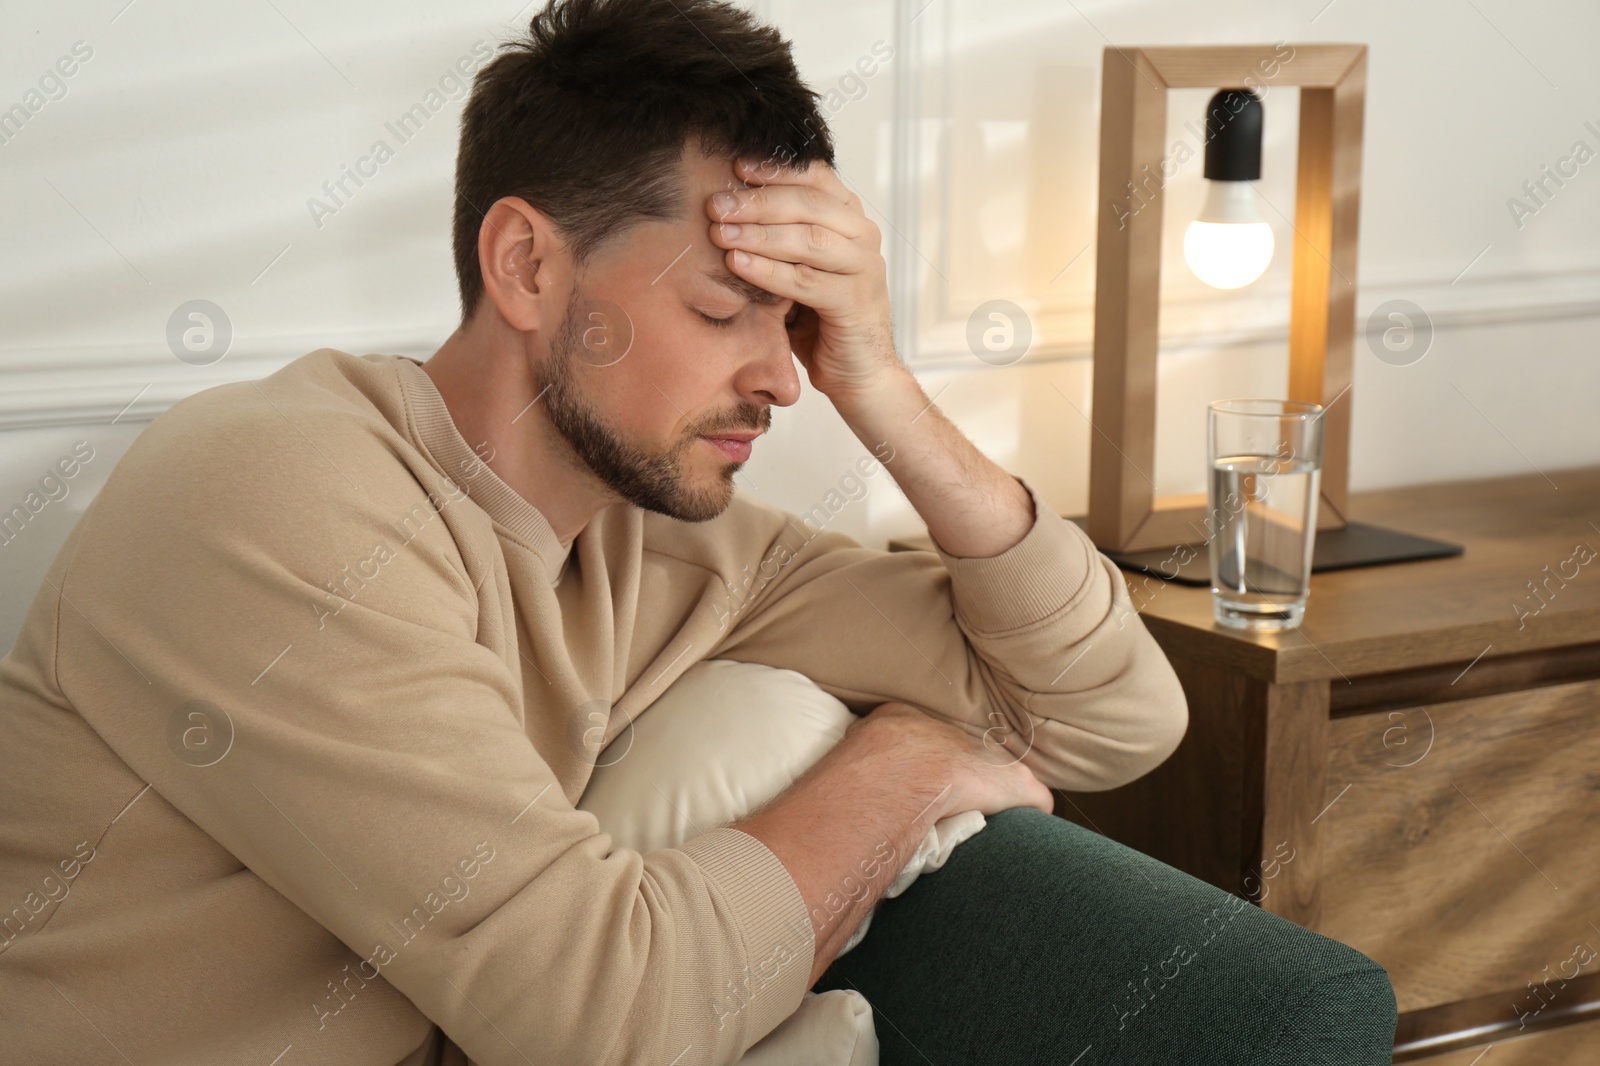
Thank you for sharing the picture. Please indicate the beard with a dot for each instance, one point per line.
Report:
(653, 482)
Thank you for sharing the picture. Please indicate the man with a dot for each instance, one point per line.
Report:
(292, 736)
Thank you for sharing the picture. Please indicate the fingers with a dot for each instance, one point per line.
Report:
(795, 237)
(823, 290)
(799, 242)
(785, 204)
(801, 234)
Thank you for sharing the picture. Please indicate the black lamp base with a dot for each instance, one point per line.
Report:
(1357, 544)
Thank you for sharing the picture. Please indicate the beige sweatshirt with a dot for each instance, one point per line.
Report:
(292, 734)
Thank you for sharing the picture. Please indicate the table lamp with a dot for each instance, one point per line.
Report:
(1228, 246)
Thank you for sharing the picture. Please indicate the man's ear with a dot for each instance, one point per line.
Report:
(517, 247)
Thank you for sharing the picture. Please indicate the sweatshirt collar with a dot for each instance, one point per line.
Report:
(436, 432)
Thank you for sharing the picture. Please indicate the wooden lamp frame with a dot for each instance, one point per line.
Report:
(1125, 515)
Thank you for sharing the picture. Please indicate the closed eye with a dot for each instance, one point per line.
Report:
(720, 323)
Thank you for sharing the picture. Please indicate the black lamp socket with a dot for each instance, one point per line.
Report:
(1233, 136)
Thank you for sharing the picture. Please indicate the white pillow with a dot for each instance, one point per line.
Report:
(723, 739)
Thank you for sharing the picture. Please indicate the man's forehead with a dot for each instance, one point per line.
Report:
(743, 289)
(697, 259)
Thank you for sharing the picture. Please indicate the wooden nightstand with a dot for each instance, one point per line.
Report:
(1425, 753)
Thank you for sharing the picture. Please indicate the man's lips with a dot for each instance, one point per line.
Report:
(734, 446)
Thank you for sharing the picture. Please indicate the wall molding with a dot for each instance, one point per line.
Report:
(90, 384)
(1200, 325)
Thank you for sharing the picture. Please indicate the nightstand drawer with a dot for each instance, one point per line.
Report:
(1460, 848)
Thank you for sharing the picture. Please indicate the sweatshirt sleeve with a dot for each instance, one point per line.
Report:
(1038, 651)
(364, 755)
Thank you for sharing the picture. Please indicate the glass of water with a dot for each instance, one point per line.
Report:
(1266, 466)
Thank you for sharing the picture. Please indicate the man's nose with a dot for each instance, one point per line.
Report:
(770, 376)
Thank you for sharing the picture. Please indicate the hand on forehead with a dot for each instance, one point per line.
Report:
(765, 189)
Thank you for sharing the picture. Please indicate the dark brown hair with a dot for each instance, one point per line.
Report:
(587, 116)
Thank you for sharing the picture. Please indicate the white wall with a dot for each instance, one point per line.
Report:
(179, 162)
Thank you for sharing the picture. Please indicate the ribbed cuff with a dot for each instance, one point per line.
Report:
(1029, 581)
(780, 945)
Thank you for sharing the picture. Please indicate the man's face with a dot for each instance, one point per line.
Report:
(638, 376)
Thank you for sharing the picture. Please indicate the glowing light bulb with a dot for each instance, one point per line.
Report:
(1229, 245)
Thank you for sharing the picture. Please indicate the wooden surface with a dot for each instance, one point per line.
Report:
(1419, 614)
(1322, 312)
(1127, 302)
(1461, 844)
(1222, 65)
(1124, 512)
(1288, 766)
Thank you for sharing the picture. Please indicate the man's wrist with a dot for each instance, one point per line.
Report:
(873, 406)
